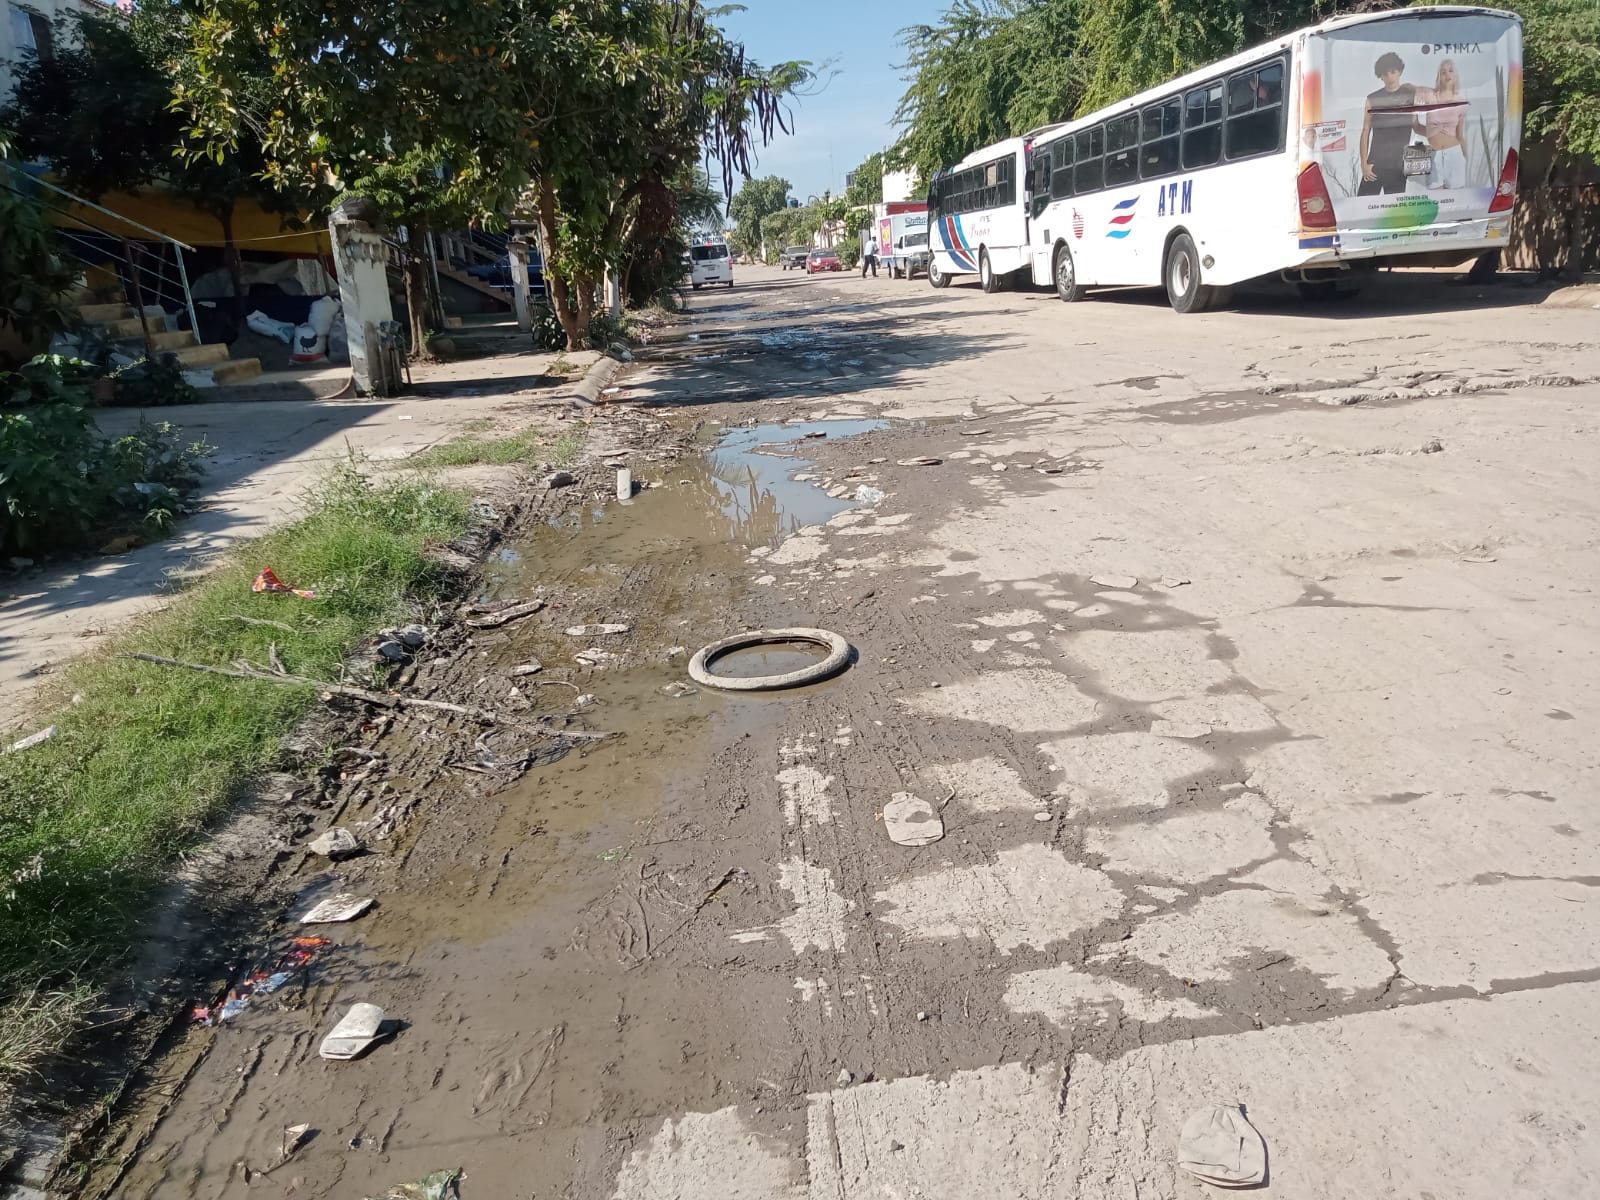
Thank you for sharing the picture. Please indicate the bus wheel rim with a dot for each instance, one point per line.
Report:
(1180, 274)
(1064, 271)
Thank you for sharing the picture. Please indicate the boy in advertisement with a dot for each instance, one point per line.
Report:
(1386, 130)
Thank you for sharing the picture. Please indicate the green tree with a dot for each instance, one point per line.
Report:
(100, 112)
(756, 200)
(32, 275)
(1561, 58)
(580, 108)
(866, 181)
(987, 70)
(1138, 44)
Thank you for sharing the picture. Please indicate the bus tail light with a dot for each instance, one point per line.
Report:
(1505, 192)
(1316, 206)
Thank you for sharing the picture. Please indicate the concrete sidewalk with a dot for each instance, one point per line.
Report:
(267, 453)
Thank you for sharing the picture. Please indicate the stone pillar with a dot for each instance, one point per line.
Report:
(359, 255)
(517, 248)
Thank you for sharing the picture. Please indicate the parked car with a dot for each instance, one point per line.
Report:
(794, 256)
(823, 260)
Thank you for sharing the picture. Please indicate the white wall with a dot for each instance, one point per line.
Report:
(897, 186)
(10, 50)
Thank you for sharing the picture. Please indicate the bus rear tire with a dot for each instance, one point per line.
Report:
(1065, 273)
(936, 277)
(1185, 292)
(991, 282)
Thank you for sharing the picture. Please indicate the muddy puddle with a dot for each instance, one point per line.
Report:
(518, 919)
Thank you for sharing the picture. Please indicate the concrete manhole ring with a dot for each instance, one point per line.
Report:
(838, 657)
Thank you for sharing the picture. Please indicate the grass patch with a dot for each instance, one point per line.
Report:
(92, 820)
(526, 447)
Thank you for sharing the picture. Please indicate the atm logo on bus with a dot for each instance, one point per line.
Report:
(1174, 198)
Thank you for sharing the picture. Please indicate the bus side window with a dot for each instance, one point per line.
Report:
(1122, 150)
(1255, 112)
(1087, 174)
(1061, 180)
(1041, 181)
(1162, 126)
(1202, 126)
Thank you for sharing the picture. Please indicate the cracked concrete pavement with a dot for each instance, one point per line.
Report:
(1297, 814)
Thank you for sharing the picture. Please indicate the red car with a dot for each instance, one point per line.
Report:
(822, 260)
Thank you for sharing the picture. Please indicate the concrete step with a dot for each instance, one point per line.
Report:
(100, 314)
(132, 327)
(234, 369)
(193, 355)
(175, 340)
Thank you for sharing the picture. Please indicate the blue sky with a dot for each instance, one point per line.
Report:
(849, 118)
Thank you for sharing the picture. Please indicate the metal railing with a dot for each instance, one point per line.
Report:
(151, 269)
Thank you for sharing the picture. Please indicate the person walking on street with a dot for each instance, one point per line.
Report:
(869, 257)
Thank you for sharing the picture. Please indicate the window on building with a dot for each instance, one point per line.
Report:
(31, 31)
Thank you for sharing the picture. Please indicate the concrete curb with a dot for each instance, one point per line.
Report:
(587, 393)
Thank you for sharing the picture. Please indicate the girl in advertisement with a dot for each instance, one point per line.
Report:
(1444, 122)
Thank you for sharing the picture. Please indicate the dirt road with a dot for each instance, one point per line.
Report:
(1249, 661)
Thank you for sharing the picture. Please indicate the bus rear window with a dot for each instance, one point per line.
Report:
(706, 253)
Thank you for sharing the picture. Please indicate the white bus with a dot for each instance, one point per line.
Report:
(1389, 138)
(978, 216)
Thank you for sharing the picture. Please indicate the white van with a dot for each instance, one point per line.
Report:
(710, 264)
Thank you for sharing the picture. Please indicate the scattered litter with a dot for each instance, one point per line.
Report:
(977, 432)
(560, 479)
(866, 494)
(1119, 583)
(1479, 558)
(678, 690)
(586, 699)
(1219, 1146)
(410, 636)
(609, 856)
(337, 843)
(624, 484)
(1041, 817)
(926, 460)
(354, 1033)
(501, 615)
(346, 906)
(596, 630)
(922, 1016)
(268, 581)
(594, 656)
(911, 821)
(441, 1185)
(262, 981)
(1174, 581)
(872, 462)
(532, 667)
(999, 467)
(677, 651)
(293, 1135)
(394, 652)
(845, 1078)
(607, 391)
(404, 417)
(32, 740)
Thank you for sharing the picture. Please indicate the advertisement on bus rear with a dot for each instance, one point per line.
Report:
(1414, 121)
